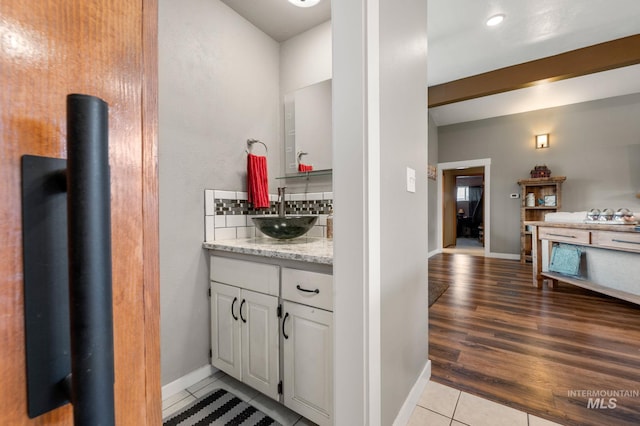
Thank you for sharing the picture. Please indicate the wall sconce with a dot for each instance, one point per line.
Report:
(542, 141)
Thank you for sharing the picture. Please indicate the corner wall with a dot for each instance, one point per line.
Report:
(380, 240)
(218, 86)
(306, 59)
(594, 144)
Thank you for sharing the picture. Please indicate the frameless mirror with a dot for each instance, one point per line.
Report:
(308, 128)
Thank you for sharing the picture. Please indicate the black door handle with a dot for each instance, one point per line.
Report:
(87, 300)
(235, 299)
(89, 229)
(316, 291)
(283, 321)
(241, 305)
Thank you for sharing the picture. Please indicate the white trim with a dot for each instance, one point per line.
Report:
(187, 380)
(509, 256)
(434, 252)
(483, 162)
(414, 396)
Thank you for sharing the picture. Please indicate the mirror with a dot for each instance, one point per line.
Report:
(308, 128)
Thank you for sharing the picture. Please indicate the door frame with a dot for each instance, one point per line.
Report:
(482, 162)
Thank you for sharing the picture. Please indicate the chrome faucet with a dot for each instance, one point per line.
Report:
(281, 202)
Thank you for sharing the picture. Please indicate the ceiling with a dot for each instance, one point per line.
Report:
(461, 45)
(280, 19)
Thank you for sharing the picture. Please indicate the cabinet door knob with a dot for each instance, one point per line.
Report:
(235, 299)
(316, 291)
(241, 305)
(284, 320)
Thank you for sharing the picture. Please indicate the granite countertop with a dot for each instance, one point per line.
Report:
(305, 249)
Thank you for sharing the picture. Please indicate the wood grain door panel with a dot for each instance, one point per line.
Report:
(449, 213)
(105, 48)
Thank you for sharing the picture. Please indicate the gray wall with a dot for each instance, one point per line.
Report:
(594, 144)
(432, 187)
(403, 143)
(218, 86)
(380, 263)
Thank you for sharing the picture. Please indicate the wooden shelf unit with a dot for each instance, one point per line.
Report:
(540, 187)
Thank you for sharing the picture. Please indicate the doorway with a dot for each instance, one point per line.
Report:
(463, 207)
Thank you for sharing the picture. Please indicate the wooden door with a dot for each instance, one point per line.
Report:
(308, 362)
(260, 360)
(449, 212)
(108, 49)
(225, 329)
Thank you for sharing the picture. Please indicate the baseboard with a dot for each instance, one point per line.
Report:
(404, 415)
(187, 380)
(508, 256)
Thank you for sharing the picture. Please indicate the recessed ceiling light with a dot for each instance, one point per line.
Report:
(304, 3)
(493, 21)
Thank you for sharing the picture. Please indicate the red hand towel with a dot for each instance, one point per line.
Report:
(304, 167)
(257, 182)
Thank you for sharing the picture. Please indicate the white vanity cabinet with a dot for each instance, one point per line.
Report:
(244, 322)
(307, 333)
(272, 328)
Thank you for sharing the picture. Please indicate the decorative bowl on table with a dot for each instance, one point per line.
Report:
(624, 216)
(284, 227)
(593, 215)
(606, 215)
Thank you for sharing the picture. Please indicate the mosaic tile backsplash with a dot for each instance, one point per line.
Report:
(228, 213)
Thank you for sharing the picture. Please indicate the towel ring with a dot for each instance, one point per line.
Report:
(300, 154)
(250, 143)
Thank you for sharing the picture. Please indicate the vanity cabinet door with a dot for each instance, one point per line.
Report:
(307, 335)
(260, 365)
(225, 329)
(244, 336)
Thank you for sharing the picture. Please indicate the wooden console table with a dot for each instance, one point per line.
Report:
(621, 238)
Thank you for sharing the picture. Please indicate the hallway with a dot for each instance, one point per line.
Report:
(466, 246)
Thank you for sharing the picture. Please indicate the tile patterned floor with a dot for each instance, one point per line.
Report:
(442, 405)
(439, 405)
(219, 380)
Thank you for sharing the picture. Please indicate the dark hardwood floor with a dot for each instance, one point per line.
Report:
(543, 351)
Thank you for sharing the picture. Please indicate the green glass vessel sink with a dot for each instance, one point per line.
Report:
(286, 227)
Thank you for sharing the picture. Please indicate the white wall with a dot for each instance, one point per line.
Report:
(306, 58)
(218, 86)
(380, 257)
(596, 145)
(351, 301)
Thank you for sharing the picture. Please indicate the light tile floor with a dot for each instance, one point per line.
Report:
(442, 405)
(439, 405)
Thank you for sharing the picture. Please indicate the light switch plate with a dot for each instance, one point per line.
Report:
(411, 180)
